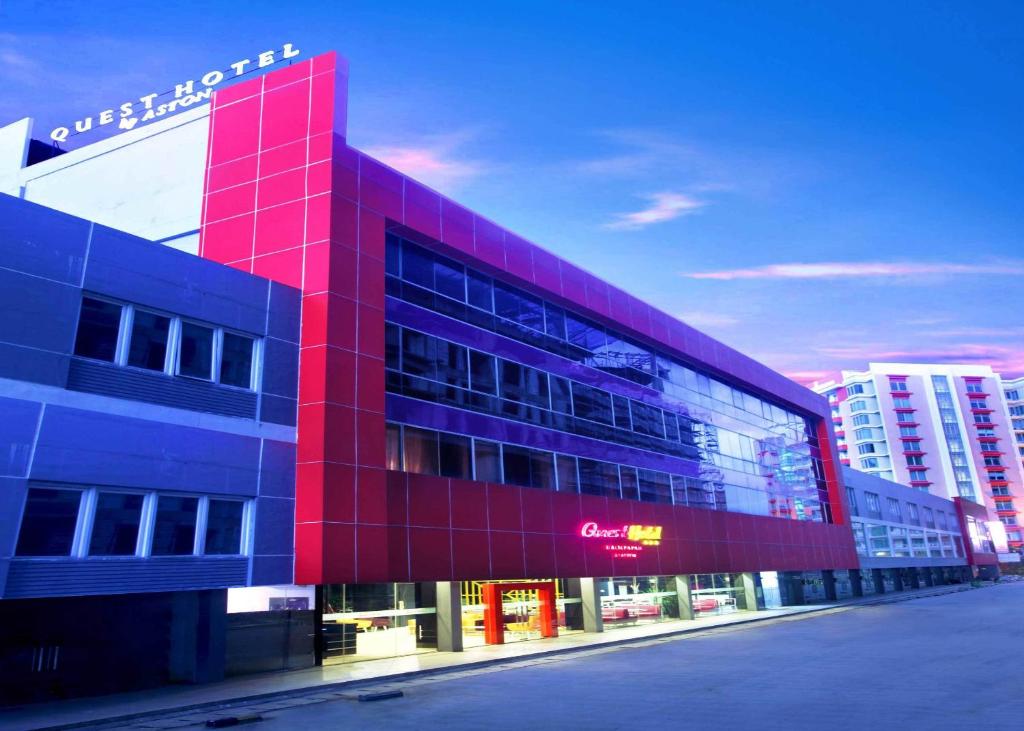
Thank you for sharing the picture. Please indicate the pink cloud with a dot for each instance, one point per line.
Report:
(1006, 360)
(838, 270)
(435, 165)
(664, 207)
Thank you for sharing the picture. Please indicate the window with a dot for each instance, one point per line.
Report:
(620, 407)
(855, 389)
(647, 420)
(866, 448)
(89, 522)
(862, 434)
(851, 498)
(236, 360)
(48, 524)
(873, 505)
(127, 335)
(915, 460)
(486, 461)
(568, 479)
(528, 467)
(940, 519)
(998, 476)
(420, 451)
(978, 403)
(982, 419)
(115, 528)
(895, 514)
(861, 420)
(598, 478)
(929, 517)
(525, 385)
(974, 387)
(174, 532)
(912, 514)
(224, 527)
(454, 456)
(1017, 410)
(1013, 395)
(901, 402)
(482, 374)
(148, 347)
(858, 405)
(655, 487)
(99, 325)
(393, 446)
(918, 475)
(993, 462)
(908, 431)
(592, 403)
(897, 385)
(912, 445)
(195, 358)
(869, 463)
(1004, 504)
(905, 417)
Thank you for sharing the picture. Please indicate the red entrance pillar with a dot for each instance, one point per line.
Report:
(494, 615)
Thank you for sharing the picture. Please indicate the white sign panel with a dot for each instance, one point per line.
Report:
(146, 109)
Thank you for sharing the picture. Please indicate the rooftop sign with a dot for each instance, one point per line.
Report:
(187, 93)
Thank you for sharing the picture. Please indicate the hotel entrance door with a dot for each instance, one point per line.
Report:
(519, 611)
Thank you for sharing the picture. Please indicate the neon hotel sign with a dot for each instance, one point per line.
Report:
(187, 93)
(624, 541)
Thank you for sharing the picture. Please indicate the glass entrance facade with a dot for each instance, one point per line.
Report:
(368, 621)
(632, 600)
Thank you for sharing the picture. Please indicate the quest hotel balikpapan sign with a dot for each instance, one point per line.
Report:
(624, 541)
(194, 91)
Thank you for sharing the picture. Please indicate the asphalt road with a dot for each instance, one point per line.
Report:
(948, 662)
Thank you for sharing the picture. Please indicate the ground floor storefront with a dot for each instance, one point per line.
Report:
(367, 621)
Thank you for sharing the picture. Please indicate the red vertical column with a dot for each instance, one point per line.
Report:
(494, 617)
(282, 201)
(548, 610)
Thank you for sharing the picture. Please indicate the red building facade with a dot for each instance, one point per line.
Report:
(287, 198)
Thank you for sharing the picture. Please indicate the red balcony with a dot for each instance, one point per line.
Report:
(999, 483)
(920, 483)
(837, 420)
(840, 433)
(995, 468)
(904, 409)
(914, 453)
(843, 447)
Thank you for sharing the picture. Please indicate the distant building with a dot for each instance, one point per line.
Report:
(945, 429)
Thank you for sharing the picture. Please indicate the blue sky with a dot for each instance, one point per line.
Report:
(816, 184)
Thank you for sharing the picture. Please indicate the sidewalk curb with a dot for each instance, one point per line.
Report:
(491, 662)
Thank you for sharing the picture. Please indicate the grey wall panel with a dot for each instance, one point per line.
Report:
(285, 312)
(66, 577)
(270, 570)
(42, 242)
(275, 526)
(130, 268)
(278, 410)
(12, 501)
(18, 423)
(280, 368)
(87, 447)
(37, 313)
(37, 366)
(277, 478)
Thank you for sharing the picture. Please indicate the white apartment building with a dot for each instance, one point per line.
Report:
(947, 429)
